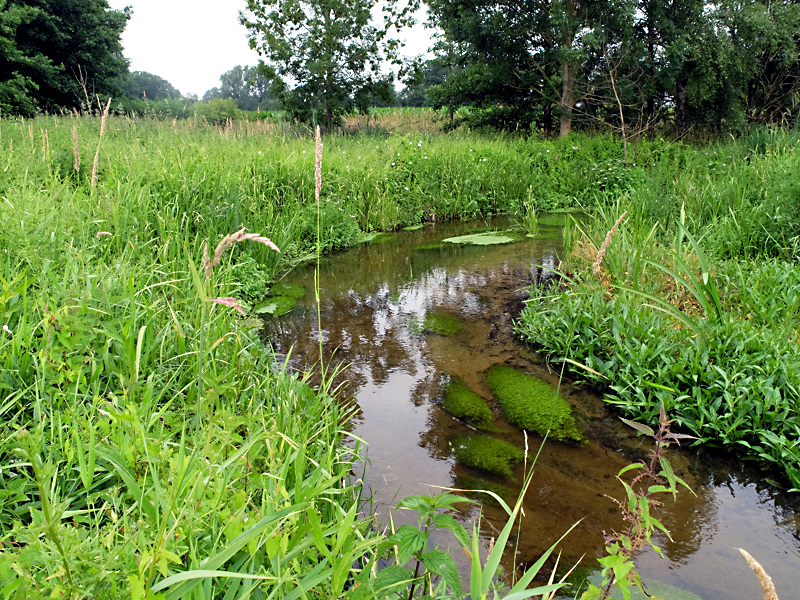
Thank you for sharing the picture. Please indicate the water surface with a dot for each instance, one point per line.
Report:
(371, 297)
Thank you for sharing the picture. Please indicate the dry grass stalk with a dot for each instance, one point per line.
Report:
(606, 244)
(228, 301)
(97, 154)
(228, 241)
(76, 149)
(763, 577)
(318, 166)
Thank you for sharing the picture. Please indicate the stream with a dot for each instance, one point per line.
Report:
(373, 299)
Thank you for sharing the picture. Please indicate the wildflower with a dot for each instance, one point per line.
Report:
(398, 154)
(6, 329)
(259, 151)
(304, 151)
(471, 150)
(574, 147)
(229, 302)
(405, 188)
(392, 164)
(607, 243)
(409, 162)
(484, 160)
(548, 150)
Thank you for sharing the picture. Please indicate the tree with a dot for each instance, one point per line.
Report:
(143, 85)
(523, 57)
(56, 54)
(328, 49)
(247, 86)
(433, 72)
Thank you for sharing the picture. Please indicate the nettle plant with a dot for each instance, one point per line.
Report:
(654, 477)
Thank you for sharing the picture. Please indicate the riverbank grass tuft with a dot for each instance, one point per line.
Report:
(532, 404)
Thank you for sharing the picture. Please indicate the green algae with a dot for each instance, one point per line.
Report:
(287, 289)
(463, 403)
(470, 485)
(422, 247)
(530, 403)
(438, 324)
(486, 453)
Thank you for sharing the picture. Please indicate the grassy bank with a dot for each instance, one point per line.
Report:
(147, 436)
(696, 302)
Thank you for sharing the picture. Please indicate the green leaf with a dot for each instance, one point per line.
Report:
(480, 239)
(446, 521)
(442, 564)
(410, 540)
(639, 427)
(391, 577)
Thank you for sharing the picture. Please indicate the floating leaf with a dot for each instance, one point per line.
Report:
(481, 239)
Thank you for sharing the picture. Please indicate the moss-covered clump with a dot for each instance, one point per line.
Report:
(486, 453)
(529, 402)
(463, 403)
(438, 324)
(476, 483)
(287, 289)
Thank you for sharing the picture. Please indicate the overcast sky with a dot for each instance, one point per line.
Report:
(190, 43)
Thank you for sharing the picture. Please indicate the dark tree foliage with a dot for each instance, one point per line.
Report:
(633, 65)
(146, 86)
(247, 86)
(54, 54)
(433, 72)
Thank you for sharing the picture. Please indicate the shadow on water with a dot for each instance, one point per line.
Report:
(373, 299)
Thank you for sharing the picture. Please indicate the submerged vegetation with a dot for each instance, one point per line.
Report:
(486, 454)
(463, 403)
(150, 441)
(532, 404)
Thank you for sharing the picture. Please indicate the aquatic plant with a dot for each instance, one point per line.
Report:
(529, 402)
(433, 323)
(486, 453)
(287, 289)
(275, 306)
(482, 239)
(463, 403)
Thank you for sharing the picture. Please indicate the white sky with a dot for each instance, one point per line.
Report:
(190, 43)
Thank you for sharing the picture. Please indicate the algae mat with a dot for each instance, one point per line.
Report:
(530, 403)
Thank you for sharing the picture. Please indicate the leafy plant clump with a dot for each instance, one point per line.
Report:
(463, 403)
(530, 403)
(438, 324)
(486, 453)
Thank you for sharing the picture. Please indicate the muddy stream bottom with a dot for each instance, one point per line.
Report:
(373, 300)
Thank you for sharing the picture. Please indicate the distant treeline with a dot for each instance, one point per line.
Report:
(627, 66)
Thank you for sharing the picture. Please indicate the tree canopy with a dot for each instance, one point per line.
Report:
(325, 56)
(634, 64)
(56, 54)
(146, 86)
(247, 86)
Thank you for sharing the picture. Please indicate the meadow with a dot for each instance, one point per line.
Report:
(149, 440)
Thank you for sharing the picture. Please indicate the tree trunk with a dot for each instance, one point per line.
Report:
(566, 101)
(681, 100)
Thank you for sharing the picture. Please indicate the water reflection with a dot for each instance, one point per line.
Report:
(370, 294)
